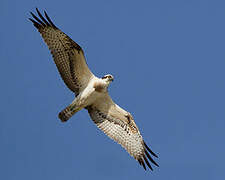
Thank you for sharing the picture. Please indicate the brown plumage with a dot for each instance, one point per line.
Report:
(67, 54)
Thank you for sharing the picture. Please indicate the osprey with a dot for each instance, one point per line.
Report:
(91, 92)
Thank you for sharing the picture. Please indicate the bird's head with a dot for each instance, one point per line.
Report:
(108, 78)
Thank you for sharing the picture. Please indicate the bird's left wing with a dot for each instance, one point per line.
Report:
(119, 125)
(67, 54)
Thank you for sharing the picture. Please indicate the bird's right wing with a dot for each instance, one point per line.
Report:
(119, 125)
(68, 55)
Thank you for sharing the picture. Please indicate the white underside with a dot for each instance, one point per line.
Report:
(88, 96)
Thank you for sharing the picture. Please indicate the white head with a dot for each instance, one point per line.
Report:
(108, 78)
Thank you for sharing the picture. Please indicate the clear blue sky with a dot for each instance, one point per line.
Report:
(168, 60)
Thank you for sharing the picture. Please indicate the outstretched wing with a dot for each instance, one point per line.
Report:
(67, 54)
(119, 125)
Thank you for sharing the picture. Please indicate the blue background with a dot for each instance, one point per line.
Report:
(168, 61)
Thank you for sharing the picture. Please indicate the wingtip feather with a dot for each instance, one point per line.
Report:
(148, 164)
(141, 162)
(37, 19)
(150, 158)
(150, 150)
(41, 21)
(49, 20)
(36, 24)
(42, 18)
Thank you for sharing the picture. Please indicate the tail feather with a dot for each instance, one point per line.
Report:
(67, 113)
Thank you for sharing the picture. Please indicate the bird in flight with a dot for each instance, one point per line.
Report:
(91, 92)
